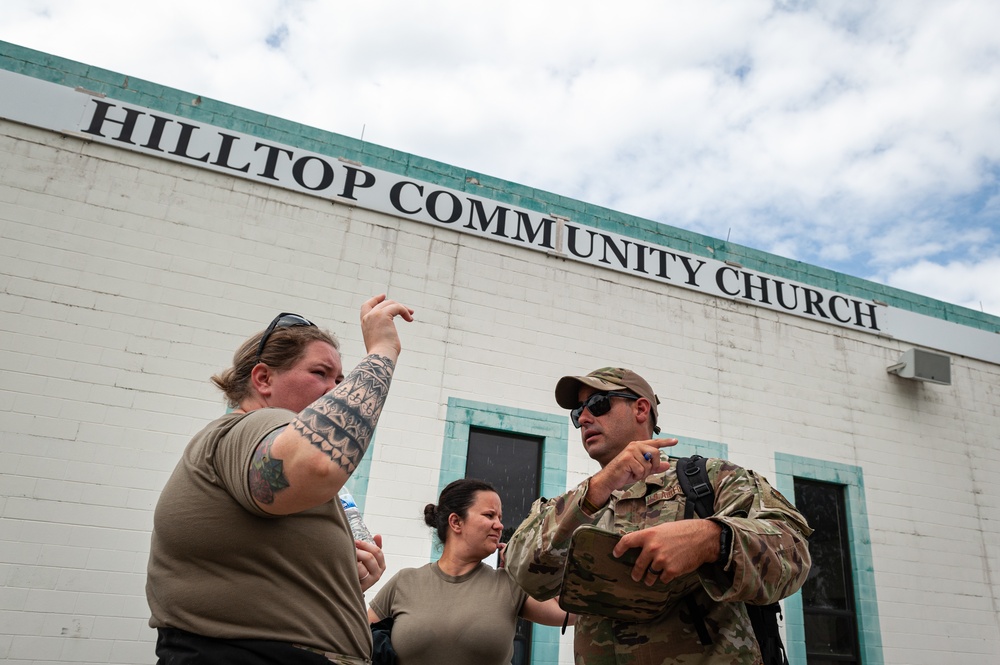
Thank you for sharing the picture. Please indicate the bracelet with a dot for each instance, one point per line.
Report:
(589, 507)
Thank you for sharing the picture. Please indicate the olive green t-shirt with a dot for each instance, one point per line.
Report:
(438, 618)
(221, 567)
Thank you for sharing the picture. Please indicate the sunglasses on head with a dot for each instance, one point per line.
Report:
(598, 404)
(283, 320)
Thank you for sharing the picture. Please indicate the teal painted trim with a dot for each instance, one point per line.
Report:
(464, 414)
(554, 432)
(357, 484)
(688, 446)
(788, 467)
(190, 105)
(545, 645)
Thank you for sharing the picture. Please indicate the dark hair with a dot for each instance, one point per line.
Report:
(456, 498)
(284, 348)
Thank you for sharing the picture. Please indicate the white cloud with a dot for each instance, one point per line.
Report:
(860, 135)
(957, 282)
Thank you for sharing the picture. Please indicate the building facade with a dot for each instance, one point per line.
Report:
(146, 231)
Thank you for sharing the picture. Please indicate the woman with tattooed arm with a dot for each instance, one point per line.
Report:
(252, 560)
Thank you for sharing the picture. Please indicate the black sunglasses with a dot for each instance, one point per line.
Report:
(283, 320)
(598, 404)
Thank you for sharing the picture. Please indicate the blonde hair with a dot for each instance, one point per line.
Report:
(283, 349)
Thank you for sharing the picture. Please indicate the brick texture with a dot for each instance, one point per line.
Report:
(125, 282)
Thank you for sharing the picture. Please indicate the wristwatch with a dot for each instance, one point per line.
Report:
(725, 542)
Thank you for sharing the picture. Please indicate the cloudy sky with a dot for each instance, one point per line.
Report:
(861, 136)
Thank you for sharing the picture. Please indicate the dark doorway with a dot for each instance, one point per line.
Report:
(512, 464)
(828, 603)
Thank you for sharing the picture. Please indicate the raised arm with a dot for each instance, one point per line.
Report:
(306, 463)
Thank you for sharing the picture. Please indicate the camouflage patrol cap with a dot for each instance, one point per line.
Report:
(606, 379)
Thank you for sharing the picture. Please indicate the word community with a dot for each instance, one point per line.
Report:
(348, 182)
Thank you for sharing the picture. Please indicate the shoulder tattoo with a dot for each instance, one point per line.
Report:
(266, 474)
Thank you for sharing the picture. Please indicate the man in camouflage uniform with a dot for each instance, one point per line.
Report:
(752, 549)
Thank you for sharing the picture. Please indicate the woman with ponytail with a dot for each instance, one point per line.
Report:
(459, 610)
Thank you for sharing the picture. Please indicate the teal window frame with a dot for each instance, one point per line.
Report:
(554, 432)
(787, 468)
(688, 446)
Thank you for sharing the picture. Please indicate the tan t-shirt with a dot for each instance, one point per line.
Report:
(221, 567)
(438, 618)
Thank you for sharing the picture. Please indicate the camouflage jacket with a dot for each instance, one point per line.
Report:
(769, 561)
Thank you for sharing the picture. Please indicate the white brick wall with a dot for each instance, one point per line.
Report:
(125, 282)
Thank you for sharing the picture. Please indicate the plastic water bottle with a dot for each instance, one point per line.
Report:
(358, 527)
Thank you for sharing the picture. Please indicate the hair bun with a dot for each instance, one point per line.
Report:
(430, 515)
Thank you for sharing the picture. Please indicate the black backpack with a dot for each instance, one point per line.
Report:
(694, 481)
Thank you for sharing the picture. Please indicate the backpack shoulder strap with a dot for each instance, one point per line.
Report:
(693, 477)
(764, 619)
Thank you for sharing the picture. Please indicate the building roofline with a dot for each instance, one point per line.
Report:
(74, 74)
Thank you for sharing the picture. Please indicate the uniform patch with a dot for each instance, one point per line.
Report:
(664, 494)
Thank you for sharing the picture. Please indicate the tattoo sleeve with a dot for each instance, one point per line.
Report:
(342, 422)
